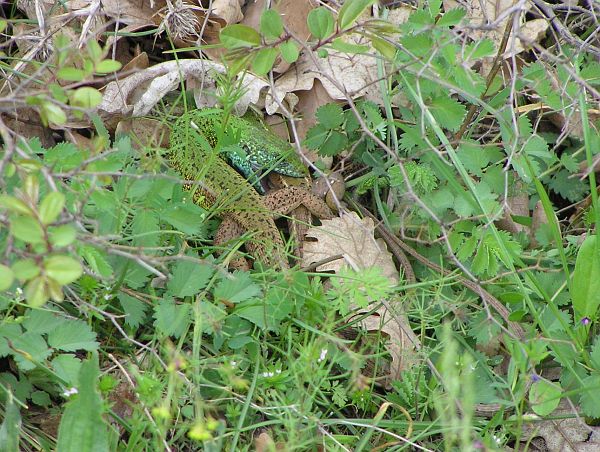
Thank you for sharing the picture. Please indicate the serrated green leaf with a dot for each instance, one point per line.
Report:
(30, 347)
(264, 60)
(480, 49)
(448, 112)
(6, 277)
(97, 261)
(315, 137)
(186, 217)
(350, 11)
(320, 22)
(63, 269)
(238, 36)
(51, 207)
(544, 397)
(107, 66)
(589, 398)
(73, 335)
(189, 278)
(452, 17)
(67, 367)
(335, 143)
(289, 51)
(82, 426)
(26, 229)
(172, 319)
(134, 309)
(271, 25)
(236, 288)
(330, 115)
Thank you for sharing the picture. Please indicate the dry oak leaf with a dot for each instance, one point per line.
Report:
(354, 239)
(137, 94)
(564, 432)
(498, 12)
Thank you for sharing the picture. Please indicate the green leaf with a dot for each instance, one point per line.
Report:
(134, 309)
(320, 22)
(589, 398)
(238, 36)
(11, 425)
(51, 207)
(51, 113)
(335, 143)
(6, 277)
(25, 269)
(14, 204)
(36, 292)
(448, 112)
(350, 11)
(186, 217)
(73, 335)
(26, 229)
(82, 426)
(62, 235)
(97, 260)
(86, 97)
(544, 397)
(189, 278)
(107, 66)
(480, 49)
(271, 24)
(67, 367)
(236, 288)
(94, 50)
(330, 115)
(315, 137)
(385, 48)
(343, 46)
(289, 51)
(71, 74)
(452, 17)
(586, 280)
(264, 60)
(31, 347)
(63, 269)
(172, 319)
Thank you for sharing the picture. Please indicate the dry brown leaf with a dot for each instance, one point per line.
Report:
(354, 239)
(137, 94)
(516, 204)
(571, 434)
(483, 13)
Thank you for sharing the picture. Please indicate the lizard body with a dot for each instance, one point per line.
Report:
(191, 154)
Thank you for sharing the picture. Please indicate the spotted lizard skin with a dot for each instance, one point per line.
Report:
(219, 186)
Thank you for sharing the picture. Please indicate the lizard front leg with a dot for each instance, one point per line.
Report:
(280, 202)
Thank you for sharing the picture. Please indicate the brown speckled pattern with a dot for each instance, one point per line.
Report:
(234, 198)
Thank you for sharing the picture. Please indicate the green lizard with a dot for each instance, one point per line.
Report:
(191, 154)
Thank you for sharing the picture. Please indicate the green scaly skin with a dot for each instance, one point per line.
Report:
(256, 150)
(190, 154)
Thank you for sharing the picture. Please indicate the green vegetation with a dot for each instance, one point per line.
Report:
(121, 327)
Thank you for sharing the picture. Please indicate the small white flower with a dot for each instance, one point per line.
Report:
(233, 363)
(278, 371)
(107, 297)
(69, 392)
(322, 355)
(268, 374)
(19, 291)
